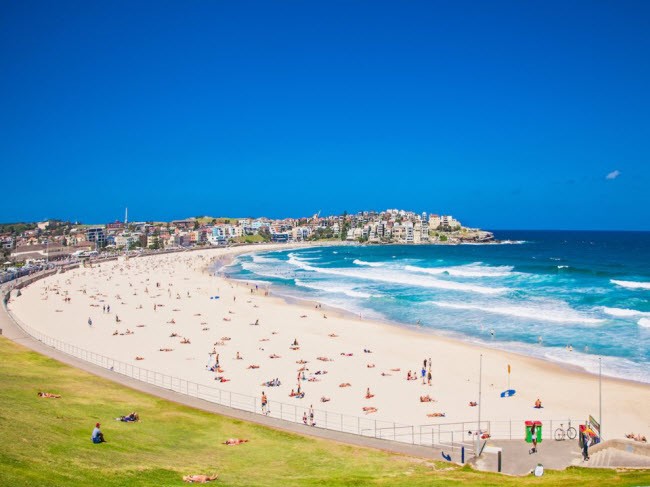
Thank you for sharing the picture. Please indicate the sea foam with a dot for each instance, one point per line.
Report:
(395, 277)
(369, 264)
(470, 270)
(631, 284)
(557, 314)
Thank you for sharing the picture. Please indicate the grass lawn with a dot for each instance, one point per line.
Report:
(47, 442)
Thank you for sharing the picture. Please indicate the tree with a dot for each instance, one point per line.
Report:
(265, 233)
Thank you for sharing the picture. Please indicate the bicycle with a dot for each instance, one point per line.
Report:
(570, 432)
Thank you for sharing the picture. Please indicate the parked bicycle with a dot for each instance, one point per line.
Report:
(561, 433)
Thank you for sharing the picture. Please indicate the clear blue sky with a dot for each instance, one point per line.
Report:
(503, 114)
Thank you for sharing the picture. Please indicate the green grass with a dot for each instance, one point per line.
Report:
(47, 442)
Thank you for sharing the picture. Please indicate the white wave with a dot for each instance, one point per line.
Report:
(395, 277)
(469, 270)
(631, 284)
(623, 312)
(563, 267)
(369, 264)
(644, 322)
(334, 289)
(513, 242)
(559, 313)
(258, 259)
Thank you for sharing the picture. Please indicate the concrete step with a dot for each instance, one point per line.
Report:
(613, 458)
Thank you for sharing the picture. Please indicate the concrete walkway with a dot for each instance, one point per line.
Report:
(13, 332)
(515, 459)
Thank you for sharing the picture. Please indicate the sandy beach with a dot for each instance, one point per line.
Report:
(159, 302)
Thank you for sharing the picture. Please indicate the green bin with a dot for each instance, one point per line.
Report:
(538, 431)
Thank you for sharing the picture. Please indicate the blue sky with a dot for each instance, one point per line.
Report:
(504, 114)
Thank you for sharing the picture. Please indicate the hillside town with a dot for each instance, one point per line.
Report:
(53, 240)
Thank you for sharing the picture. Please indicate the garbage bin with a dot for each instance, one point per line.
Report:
(538, 431)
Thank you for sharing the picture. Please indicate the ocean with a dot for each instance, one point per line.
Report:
(538, 294)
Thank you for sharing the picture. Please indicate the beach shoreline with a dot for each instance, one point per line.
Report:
(565, 392)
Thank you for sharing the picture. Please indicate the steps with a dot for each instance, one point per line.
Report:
(613, 458)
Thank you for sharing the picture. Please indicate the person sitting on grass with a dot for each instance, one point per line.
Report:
(98, 436)
(199, 479)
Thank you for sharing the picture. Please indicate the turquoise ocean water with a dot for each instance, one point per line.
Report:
(590, 290)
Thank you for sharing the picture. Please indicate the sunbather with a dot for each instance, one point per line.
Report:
(48, 395)
(234, 441)
(199, 478)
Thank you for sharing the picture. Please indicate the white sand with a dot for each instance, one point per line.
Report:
(565, 393)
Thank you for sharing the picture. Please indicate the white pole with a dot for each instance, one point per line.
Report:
(600, 394)
(480, 375)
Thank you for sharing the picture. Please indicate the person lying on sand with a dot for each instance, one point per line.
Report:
(324, 359)
(172, 322)
(426, 398)
(367, 350)
(116, 333)
(301, 361)
(325, 399)
(226, 319)
(385, 374)
(48, 395)
(313, 379)
(139, 358)
(251, 366)
(320, 372)
(370, 366)
(185, 340)
(345, 384)
(221, 378)
(637, 437)
(333, 335)
(473, 403)
(369, 394)
(263, 340)
(225, 338)
(395, 370)
(257, 322)
(199, 478)
(303, 316)
(166, 349)
(347, 354)
(274, 355)
(369, 409)
(436, 415)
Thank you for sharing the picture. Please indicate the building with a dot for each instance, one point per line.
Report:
(96, 235)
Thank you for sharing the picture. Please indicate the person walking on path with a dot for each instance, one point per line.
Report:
(533, 434)
(264, 402)
(585, 446)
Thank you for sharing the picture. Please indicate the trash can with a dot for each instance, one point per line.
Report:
(538, 431)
